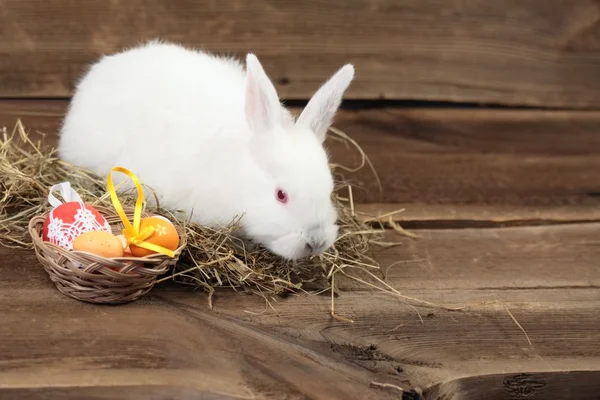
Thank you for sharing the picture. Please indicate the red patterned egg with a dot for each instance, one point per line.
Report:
(69, 220)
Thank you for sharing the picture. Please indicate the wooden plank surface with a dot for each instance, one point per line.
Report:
(149, 392)
(513, 256)
(580, 385)
(447, 166)
(50, 340)
(541, 53)
(170, 339)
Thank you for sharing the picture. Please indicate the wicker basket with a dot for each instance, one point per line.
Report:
(96, 279)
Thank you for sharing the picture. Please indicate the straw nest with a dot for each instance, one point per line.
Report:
(211, 258)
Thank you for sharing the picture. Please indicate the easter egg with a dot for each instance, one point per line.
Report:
(164, 235)
(126, 249)
(69, 220)
(100, 243)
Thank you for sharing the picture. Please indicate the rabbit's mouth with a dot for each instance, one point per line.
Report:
(294, 246)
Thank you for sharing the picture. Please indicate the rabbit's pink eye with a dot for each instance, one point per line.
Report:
(282, 196)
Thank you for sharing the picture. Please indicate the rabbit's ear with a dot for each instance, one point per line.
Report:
(263, 109)
(320, 110)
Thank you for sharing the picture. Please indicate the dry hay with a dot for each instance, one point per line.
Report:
(212, 258)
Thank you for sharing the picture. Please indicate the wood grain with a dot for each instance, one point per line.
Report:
(448, 166)
(149, 392)
(49, 340)
(507, 52)
(581, 385)
(240, 349)
(509, 158)
(502, 258)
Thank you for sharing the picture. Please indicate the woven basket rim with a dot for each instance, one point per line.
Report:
(36, 222)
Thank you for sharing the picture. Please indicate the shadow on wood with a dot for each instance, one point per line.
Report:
(149, 392)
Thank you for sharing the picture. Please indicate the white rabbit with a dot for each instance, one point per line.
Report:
(211, 139)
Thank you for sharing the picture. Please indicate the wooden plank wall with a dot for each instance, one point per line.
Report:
(514, 52)
(494, 166)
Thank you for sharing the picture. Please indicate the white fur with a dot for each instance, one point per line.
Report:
(212, 139)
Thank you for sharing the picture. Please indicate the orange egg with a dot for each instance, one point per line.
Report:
(100, 243)
(165, 235)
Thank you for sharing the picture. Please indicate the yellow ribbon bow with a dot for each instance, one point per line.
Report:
(132, 232)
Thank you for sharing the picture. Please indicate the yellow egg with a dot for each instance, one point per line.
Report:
(165, 235)
(100, 243)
